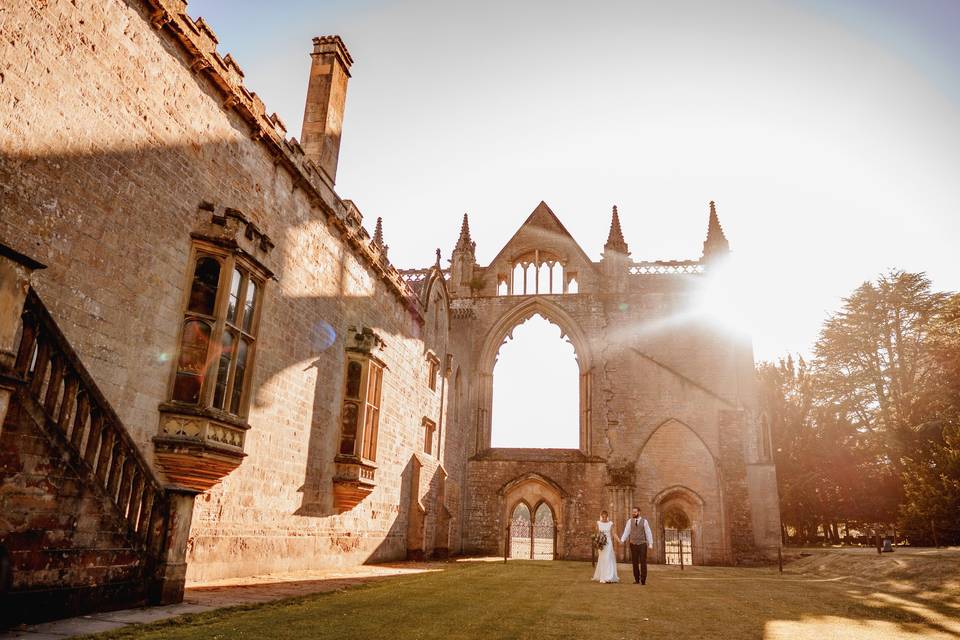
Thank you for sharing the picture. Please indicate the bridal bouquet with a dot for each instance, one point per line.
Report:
(599, 540)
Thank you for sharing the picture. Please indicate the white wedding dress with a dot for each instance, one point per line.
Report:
(606, 570)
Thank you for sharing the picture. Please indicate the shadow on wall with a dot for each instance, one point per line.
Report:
(114, 228)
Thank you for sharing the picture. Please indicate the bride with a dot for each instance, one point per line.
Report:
(606, 570)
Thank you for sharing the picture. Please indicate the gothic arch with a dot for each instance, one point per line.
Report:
(498, 334)
(531, 476)
(436, 305)
(524, 311)
(690, 504)
(533, 490)
(669, 421)
(677, 470)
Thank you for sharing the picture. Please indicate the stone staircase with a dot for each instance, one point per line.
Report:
(84, 520)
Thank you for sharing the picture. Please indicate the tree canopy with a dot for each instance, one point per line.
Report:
(867, 434)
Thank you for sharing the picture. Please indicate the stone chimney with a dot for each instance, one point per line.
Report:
(326, 95)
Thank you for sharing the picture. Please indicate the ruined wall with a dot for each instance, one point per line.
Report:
(653, 364)
(109, 140)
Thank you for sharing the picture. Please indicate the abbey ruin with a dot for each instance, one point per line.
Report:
(210, 368)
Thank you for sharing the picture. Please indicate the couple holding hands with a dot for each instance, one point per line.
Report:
(637, 533)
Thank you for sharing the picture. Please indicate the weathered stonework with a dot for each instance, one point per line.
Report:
(126, 139)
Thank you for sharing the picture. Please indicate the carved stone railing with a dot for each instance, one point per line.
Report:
(419, 275)
(75, 409)
(666, 267)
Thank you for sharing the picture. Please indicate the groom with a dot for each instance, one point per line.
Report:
(638, 533)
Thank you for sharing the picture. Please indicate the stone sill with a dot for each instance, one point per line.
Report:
(204, 412)
(535, 455)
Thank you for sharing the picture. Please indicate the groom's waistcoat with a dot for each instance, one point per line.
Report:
(638, 535)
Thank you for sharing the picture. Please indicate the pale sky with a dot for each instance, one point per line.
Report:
(828, 132)
(536, 389)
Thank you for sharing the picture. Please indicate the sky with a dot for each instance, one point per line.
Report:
(828, 132)
(536, 364)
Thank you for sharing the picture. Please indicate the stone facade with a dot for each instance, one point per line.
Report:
(668, 420)
(127, 141)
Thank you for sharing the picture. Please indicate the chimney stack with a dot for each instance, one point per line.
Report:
(326, 95)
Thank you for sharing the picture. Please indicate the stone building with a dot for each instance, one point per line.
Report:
(209, 367)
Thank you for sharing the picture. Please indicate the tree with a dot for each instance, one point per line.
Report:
(875, 371)
(868, 433)
(931, 506)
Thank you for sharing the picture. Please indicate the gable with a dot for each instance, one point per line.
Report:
(542, 230)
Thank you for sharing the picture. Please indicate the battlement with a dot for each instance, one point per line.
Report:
(199, 41)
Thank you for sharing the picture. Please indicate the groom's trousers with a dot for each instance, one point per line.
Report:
(638, 556)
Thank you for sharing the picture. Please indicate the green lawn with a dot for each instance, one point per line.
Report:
(528, 599)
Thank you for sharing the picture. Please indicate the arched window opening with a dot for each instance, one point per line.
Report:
(537, 272)
(520, 532)
(519, 282)
(543, 279)
(556, 278)
(572, 286)
(502, 288)
(544, 533)
(536, 389)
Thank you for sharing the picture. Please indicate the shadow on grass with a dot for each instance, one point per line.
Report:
(526, 599)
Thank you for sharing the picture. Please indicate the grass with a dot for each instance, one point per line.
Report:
(528, 599)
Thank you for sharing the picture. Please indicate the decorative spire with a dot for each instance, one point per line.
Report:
(465, 242)
(716, 242)
(377, 240)
(438, 258)
(615, 241)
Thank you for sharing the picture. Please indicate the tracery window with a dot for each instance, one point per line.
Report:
(537, 272)
(219, 332)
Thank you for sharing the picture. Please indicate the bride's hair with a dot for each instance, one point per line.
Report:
(604, 513)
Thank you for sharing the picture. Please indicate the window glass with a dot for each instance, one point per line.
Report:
(348, 427)
(248, 306)
(203, 291)
(223, 370)
(192, 361)
(234, 296)
(238, 376)
(354, 370)
(372, 420)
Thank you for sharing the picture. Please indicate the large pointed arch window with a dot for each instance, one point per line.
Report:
(536, 389)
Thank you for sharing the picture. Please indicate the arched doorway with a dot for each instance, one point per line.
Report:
(544, 533)
(534, 532)
(521, 530)
(679, 516)
(677, 537)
